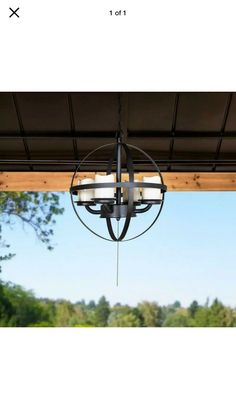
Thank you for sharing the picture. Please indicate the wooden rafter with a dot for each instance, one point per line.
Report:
(60, 181)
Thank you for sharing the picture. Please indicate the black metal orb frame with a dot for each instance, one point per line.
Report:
(115, 208)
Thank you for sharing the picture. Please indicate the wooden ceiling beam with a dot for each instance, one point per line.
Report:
(60, 181)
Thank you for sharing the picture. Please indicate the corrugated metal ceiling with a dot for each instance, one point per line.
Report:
(181, 131)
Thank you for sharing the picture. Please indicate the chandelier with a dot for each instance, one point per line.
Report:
(118, 195)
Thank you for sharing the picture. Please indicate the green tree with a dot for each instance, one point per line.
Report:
(201, 318)
(6, 308)
(35, 209)
(124, 316)
(176, 304)
(91, 305)
(81, 316)
(151, 314)
(64, 312)
(180, 318)
(194, 306)
(217, 315)
(49, 308)
(23, 308)
(127, 320)
(101, 312)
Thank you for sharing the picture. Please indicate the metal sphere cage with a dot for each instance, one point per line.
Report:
(122, 205)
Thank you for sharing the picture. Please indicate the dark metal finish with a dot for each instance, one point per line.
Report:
(92, 211)
(129, 164)
(130, 203)
(103, 200)
(151, 201)
(129, 185)
(118, 170)
(84, 203)
(116, 211)
(71, 194)
(142, 210)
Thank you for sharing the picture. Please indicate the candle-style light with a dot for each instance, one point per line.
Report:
(104, 193)
(151, 194)
(103, 197)
(86, 195)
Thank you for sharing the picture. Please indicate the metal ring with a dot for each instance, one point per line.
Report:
(130, 185)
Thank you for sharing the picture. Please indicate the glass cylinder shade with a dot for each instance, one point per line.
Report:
(104, 193)
(151, 193)
(86, 194)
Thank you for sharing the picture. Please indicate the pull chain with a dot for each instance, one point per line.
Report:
(117, 254)
(118, 180)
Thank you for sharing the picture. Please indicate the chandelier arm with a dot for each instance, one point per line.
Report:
(142, 210)
(150, 226)
(92, 211)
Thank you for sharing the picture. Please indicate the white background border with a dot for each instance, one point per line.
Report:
(75, 45)
(118, 373)
(164, 45)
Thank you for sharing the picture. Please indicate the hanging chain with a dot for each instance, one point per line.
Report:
(117, 254)
(120, 128)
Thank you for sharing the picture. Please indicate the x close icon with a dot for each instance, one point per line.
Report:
(14, 12)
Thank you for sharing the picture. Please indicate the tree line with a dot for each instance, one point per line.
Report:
(21, 308)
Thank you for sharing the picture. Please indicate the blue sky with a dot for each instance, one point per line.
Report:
(189, 254)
